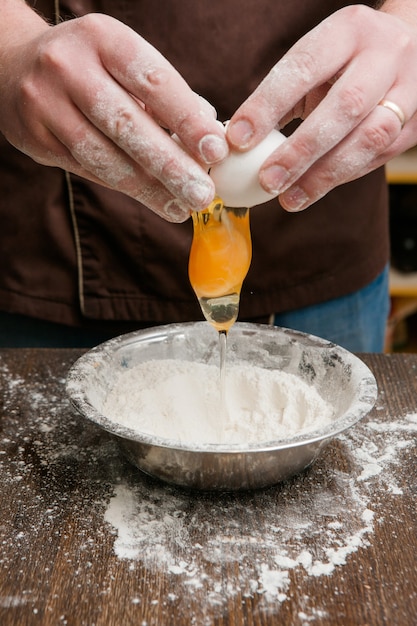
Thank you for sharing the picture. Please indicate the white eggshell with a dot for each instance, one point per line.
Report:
(237, 177)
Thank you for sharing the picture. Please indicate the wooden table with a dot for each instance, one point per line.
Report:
(88, 540)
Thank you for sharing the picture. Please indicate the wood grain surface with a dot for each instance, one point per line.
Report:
(86, 539)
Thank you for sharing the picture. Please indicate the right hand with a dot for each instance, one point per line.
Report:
(335, 78)
(92, 97)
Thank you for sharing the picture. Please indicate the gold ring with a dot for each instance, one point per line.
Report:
(395, 109)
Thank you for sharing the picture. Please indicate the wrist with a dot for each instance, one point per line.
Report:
(19, 23)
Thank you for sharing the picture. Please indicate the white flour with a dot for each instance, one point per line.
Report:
(219, 549)
(308, 527)
(180, 400)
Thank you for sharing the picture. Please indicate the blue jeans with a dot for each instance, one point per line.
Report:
(356, 322)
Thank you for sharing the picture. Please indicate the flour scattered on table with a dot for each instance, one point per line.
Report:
(158, 528)
(305, 525)
(213, 548)
(180, 400)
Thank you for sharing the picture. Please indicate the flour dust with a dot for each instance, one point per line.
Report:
(181, 401)
(57, 467)
(310, 525)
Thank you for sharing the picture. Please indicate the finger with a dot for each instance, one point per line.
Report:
(392, 106)
(349, 101)
(150, 192)
(119, 116)
(369, 137)
(144, 72)
(151, 147)
(106, 164)
(355, 156)
(322, 56)
(57, 133)
(345, 105)
(92, 155)
(131, 141)
(306, 66)
(205, 104)
(124, 121)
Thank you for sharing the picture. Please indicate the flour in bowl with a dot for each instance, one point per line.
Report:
(181, 400)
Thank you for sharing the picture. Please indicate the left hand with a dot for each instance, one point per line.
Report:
(334, 78)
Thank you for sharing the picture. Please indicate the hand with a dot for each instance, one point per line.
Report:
(334, 78)
(92, 97)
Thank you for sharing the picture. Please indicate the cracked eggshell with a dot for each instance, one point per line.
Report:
(237, 177)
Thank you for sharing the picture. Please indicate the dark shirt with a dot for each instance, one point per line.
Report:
(72, 251)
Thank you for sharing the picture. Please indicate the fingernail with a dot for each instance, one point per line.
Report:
(273, 178)
(240, 133)
(198, 193)
(295, 199)
(213, 148)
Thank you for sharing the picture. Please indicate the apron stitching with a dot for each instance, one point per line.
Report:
(76, 241)
(70, 191)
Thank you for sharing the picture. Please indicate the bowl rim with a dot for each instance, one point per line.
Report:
(93, 358)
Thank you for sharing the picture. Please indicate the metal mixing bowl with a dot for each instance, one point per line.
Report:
(341, 378)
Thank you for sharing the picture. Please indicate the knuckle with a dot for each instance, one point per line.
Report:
(405, 43)
(152, 80)
(378, 138)
(306, 149)
(352, 102)
(92, 23)
(155, 77)
(51, 57)
(324, 180)
(355, 14)
(169, 171)
(102, 161)
(305, 66)
(186, 121)
(29, 92)
(53, 52)
(122, 126)
(324, 176)
(356, 11)
(86, 150)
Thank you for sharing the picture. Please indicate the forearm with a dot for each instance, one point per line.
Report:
(19, 26)
(18, 23)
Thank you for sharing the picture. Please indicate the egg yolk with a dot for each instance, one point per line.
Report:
(221, 250)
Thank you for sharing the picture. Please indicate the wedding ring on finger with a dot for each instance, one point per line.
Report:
(388, 104)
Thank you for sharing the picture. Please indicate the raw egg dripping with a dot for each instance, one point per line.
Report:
(220, 256)
(221, 250)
